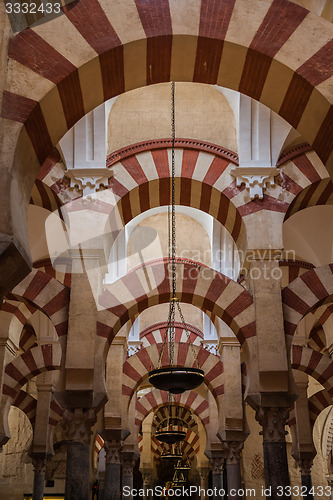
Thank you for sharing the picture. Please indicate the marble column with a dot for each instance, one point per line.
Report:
(39, 463)
(233, 456)
(217, 477)
(127, 462)
(112, 469)
(305, 465)
(273, 421)
(78, 424)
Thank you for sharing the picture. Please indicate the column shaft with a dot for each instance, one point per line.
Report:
(234, 480)
(307, 482)
(112, 481)
(77, 471)
(38, 491)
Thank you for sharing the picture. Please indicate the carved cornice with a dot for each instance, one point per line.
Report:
(296, 263)
(78, 424)
(293, 152)
(139, 147)
(273, 421)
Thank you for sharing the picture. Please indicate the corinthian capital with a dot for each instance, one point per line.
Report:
(113, 451)
(78, 424)
(234, 450)
(273, 421)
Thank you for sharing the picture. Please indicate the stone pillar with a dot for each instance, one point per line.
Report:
(273, 421)
(78, 426)
(217, 477)
(112, 470)
(234, 449)
(39, 463)
(203, 472)
(127, 462)
(305, 465)
(146, 476)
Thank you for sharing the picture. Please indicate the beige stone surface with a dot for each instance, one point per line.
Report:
(202, 112)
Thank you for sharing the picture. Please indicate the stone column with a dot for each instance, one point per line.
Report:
(127, 462)
(273, 421)
(305, 465)
(78, 426)
(112, 470)
(203, 472)
(146, 476)
(234, 449)
(39, 463)
(217, 478)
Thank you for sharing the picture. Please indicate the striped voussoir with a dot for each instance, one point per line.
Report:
(292, 269)
(14, 315)
(305, 293)
(30, 364)
(317, 403)
(152, 46)
(28, 338)
(43, 196)
(137, 367)
(48, 295)
(316, 364)
(155, 334)
(162, 414)
(26, 403)
(317, 339)
(323, 313)
(98, 445)
(190, 401)
(61, 272)
(318, 193)
(196, 284)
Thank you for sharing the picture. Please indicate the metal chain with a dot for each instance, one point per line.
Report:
(187, 334)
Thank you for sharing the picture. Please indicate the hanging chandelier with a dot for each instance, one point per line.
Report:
(183, 466)
(172, 378)
(172, 429)
(173, 453)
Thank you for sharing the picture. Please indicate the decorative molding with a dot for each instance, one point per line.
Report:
(88, 180)
(139, 147)
(273, 421)
(296, 263)
(255, 179)
(78, 424)
(293, 152)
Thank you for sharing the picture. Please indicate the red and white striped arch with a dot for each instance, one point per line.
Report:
(46, 294)
(137, 367)
(292, 269)
(176, 411)
(26, 403)
(139, 43)
(189, 400)
(28, 365)
(196, 284)
(319, 366)
(304, 294)
(317, 403)
(155, 334)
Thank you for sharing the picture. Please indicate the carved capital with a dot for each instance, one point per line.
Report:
(146, 477)
(234, 450)
(216, 464)
(39, 464)
(113, 451)
(273, 421)
(127, 465)
(305, 465)
(78, 424)
(255, 179)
